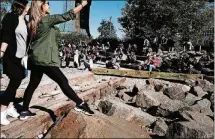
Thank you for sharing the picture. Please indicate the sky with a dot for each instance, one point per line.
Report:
(99, 10)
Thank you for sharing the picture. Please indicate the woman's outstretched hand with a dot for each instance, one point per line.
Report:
(84, 2)
(80, 7)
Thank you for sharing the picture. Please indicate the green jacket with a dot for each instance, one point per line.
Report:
(45, 47)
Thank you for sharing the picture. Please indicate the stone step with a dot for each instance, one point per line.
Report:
(85, 90)
(55, 108)
(98, 126)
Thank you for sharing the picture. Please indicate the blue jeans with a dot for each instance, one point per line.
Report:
(1, 69)
(26, 73)
(151, 67)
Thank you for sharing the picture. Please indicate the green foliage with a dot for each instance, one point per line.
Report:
(114, 42)
(107, 29)
(4, 4)
(72, 37)
(164, 17)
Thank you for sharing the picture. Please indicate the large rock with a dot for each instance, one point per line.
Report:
(106, 107)
(158, 104)
(189, 130)
(190, 82)
(190, 99)
(197, 117)
(198, 91)
(126, 95)
(127, 98)
(148, 99)
(160, 127)
(72, 126)
(76, 125)
(205, 85)
(159, 85)
(169, 107)
(197, 126)
(176, 92)
(203, 106)
(118, 108)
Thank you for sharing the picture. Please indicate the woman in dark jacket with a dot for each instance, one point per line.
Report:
(13, 47)
(44, 56)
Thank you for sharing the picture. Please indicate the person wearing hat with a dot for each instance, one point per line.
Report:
(14, 39)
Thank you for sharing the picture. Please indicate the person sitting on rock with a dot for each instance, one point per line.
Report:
(87, 59)
(149, 52)
(132, 57)
(113, 64)
(153, 63)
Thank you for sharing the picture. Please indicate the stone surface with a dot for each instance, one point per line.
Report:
(190, 82)
(197, 125)
(76, 125)
(127, 98)
(159, 85)
(72, 126)
(118, 108)
(203, 106)
(106, 107)
(160, 127)
(205, 85)
(189, 130)
(185, 88)
(197, 117)
(49, 109)
(176, 92)
(168, 107)
(147, 99)
(190, 99)
(198, 91)
(101, 126)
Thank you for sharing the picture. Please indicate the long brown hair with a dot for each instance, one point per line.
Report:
(18, 6)
(35, 15)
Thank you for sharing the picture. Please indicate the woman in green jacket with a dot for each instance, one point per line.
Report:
(44, 56)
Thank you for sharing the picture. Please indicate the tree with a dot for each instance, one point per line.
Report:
(72, 37)
(4, 4)
(163, 17)
(107, 29)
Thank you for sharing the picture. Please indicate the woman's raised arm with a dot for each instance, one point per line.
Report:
(69, 15)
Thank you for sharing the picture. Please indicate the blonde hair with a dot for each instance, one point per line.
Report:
(35, 15)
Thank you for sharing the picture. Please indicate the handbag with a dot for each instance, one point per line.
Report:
(24, 60)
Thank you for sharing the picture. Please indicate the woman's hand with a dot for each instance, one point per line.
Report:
(84, 2)
(80, 7)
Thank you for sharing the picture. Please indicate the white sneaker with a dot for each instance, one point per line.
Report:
(4, 120)
(12, 112)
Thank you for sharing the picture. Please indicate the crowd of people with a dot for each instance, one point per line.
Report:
(89, 53)
(77, 54)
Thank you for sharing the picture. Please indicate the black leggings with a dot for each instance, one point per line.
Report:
(55, 74)
(10, 92)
